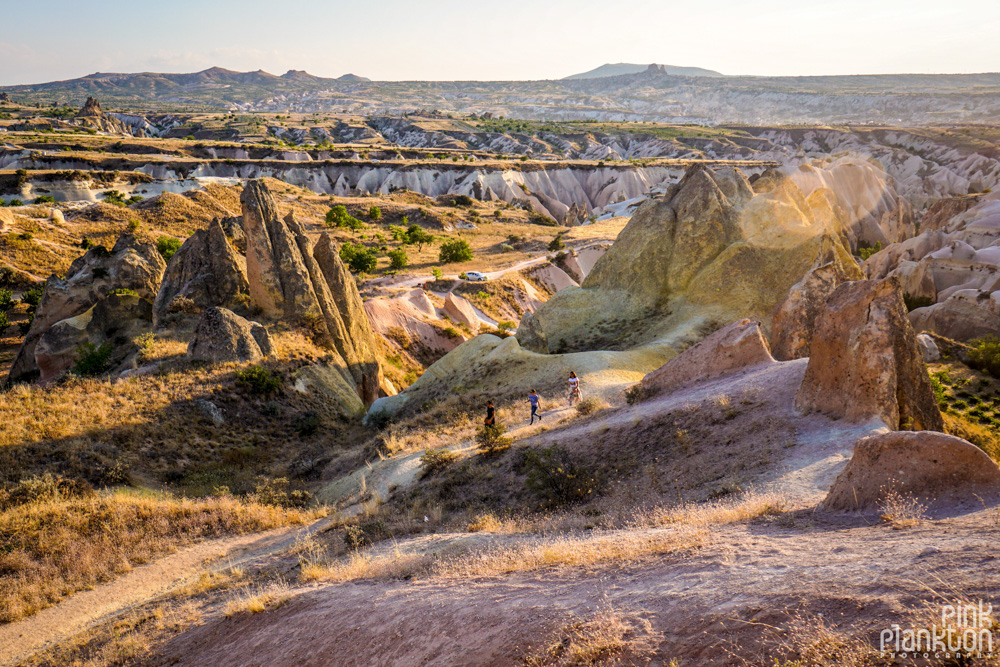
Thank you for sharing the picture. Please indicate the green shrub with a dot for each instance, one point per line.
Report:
(15, 202)
(24, 236)
(123, 291)
(45, 199)
(985, 355)
(167, 246)
(417, 235)
(33, 295)
(258, 380)
(462, 200)
(358, 258)
(86, 243)
(93, 360)
(374, 214)
(455, 251)
(506, 247)
(6, 300)
(437, 273)
(434, 460)
(4, 321)
(115, 197)
(864, 252)
(556, 243)
(339, 217)
(275, 492)
(398, 259)
(491, 438)
(556, 478)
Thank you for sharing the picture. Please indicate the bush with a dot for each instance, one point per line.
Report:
(25, 236)
(114, 197)
(398, 259)
(15, 202)
(455, 251)
(6, 300)
(45, 199)
(637, 393)
(434, 460)
(556, 243)
(93, 360)
(462, 200)
(308, 425)
(168, 246)
(985, 355)
(374, 214)
(556, 478)
(339, 217)
(416, 235)
(33, 296)
(437, 273)
(590, 405)
(258, 380)
(275, 492)
(123, 291)
(506, 247)
(43, 488)
(491, 438)
(86, 243)
(4, 321)
(864, 252)
(358, 258)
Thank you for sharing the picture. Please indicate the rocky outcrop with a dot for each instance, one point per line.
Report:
(291, 279)
(233, 227)
(132, 264)
(735, 347)
(865, 362)
(711, 250)
(114, 321)
(91, 108)
(794, 318)
(928, 348)
(222, 336)
(460, 310)
(940, 470)
(206, 271)
(953, 268)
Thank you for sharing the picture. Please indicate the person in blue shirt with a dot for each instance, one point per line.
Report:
(533, 399)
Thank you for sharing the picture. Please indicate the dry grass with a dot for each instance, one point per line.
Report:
(257, 599)
(52, 548)
(809, 641)
(510, 556)
(208, 581)
(752, 505)
(900, 510)
(608, 637)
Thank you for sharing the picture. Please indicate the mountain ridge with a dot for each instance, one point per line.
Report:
(617, 69)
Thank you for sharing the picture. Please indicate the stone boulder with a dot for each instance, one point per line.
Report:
(865, 362)
(928, 348)
(223, 336)
(935, 468)
(206, 271)
(793, 320)
(460, 310)
(291, 278)
(735, 347)
(965, 315)
(133, 264)
(113, 321)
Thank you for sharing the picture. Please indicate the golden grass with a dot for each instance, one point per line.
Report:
(257, 599)
(900, 510)
(752, 505)
(608, 636)
(52, 548)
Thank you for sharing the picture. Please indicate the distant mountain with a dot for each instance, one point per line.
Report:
(618, 69)
(353, 78)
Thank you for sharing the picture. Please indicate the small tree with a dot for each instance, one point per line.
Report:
(437, 273)
(556, 243)
(455, 251)
(418, 236)
(491, 438)
(339, 217)
(398, 259)
(374, 214)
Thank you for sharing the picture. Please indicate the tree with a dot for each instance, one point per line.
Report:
(455, 251)
(374, 214)
(358, 258)
(557, 243)
(418, 236)
(398, 259)
(339, 217)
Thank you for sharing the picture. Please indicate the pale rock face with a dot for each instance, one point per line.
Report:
(955, 264)
(460, 310)
(938, 469)
(132, 264)
(695, 257)
(928, 349)
(206, 270)
(735, 347)
(222, 336)
(794, 318)
(865, 363)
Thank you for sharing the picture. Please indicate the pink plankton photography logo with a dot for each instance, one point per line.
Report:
(964, 631)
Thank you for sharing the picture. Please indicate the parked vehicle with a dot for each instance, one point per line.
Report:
(475, 276)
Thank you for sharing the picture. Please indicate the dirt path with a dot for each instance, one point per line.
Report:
(20, 639)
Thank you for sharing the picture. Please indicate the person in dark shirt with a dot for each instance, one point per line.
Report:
(490, 414)
(533, 399)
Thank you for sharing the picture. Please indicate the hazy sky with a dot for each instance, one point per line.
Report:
(501, 39)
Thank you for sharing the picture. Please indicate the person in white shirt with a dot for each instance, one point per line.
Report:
(574, 388)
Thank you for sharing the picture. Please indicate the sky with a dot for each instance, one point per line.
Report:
(496, 40)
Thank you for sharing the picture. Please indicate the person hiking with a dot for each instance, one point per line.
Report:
(533, 399)
(490, 415)
(574, 387)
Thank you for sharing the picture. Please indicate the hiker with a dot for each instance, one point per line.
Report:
(490, 415)
(533, 399)
(574, 388)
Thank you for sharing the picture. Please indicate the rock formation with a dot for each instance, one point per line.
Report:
(223, 336)
(205, 272)
(460, 310)
(865, 362)
(953, 267)
(132, 264)
(115, 320)
(233, 227)
(91, 108)
(291, 279)
(793, 320)
(734, 347)
(711, 250)
(938, 469)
